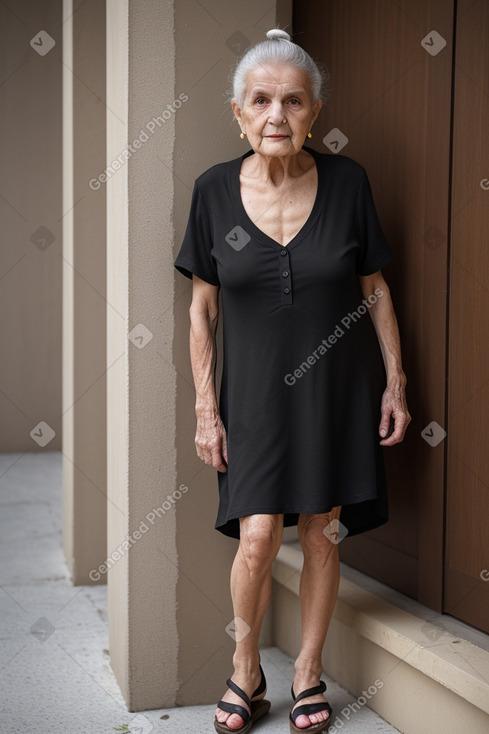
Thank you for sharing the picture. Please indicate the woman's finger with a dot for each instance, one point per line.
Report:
(401, 421)
(217, 460)
(385, 421)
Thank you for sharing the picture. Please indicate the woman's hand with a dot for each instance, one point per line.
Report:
(210, 439)
(394, 407)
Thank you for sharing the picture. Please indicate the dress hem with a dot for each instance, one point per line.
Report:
(294, 511)
(231, 529)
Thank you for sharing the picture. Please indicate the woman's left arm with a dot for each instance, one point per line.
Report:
(384, 319)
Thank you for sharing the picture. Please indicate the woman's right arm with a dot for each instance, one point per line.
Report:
(210, 437)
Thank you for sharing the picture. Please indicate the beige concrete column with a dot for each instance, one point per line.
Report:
(84, 290)
(168, 582)
(140, 377)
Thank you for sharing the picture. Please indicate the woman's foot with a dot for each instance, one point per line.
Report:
(302, 683)
(249, 684)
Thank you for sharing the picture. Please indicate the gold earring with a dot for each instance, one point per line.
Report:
(242, 135)
(309, 134)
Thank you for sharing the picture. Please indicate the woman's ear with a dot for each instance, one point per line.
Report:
(237, 113)
(315, 111)
(236, 110)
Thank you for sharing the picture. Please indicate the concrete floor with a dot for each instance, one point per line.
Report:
(55, 675)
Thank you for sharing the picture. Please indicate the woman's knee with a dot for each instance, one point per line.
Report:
(260, 538)
(319, 532)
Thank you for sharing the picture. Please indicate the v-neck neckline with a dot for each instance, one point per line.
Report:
(248, 223)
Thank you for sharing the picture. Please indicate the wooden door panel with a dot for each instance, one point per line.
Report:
(467, 536)
(392, 100)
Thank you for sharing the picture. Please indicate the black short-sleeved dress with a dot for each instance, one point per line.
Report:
(303, 373)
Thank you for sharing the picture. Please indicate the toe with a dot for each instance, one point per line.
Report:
(232, 721)
(317, 718)
(320, 716)
(235, 721)
(221, 715)
(302, 722)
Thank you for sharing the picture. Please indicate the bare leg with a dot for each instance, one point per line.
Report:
(251, 585)
(318, 592)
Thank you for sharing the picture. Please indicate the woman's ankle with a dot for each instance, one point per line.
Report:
(307, 667)
(246, 664)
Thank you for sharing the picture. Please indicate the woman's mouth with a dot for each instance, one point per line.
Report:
(276, 137)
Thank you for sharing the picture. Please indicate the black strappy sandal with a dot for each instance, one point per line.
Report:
(257, 708)
(310, 708)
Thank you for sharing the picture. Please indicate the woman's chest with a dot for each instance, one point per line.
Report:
(280, 212)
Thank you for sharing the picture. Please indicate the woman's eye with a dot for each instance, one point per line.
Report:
(260, 100)
(294, 101)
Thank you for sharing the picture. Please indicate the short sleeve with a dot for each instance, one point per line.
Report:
(374, 252)
(195, 253)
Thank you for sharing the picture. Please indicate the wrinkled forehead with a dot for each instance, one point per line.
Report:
(279, 79)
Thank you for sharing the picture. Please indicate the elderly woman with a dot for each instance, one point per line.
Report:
(312, 371)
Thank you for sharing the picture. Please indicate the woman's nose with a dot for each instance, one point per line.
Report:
(276, 115)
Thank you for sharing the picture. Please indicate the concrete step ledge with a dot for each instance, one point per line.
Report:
(374, 637)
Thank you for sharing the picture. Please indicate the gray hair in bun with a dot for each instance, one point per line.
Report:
(278, 48)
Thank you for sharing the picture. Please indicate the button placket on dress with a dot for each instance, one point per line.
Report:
(285, 279)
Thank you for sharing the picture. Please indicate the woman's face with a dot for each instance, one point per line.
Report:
(278, 110)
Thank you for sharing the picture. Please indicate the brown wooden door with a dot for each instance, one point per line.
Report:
(467, 531)
(391, 98)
